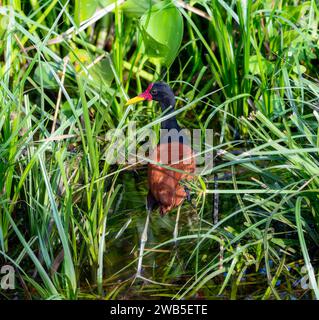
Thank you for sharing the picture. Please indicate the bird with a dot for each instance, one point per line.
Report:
(172, 161)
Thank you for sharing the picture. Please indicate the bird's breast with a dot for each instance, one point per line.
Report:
(170, 163)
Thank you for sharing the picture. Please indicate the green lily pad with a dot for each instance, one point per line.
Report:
(84, 9)
(162, 32)
(133, 8)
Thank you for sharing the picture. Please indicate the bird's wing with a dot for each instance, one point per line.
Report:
(164, 182)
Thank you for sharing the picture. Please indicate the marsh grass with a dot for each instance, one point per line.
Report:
(70, 223)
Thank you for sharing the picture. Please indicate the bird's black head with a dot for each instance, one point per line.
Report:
(162, 92)
(157, 91)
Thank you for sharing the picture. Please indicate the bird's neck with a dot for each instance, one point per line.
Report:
(170, 124)
(167, 106)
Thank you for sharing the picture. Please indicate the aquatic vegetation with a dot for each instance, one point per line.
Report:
(71, 222)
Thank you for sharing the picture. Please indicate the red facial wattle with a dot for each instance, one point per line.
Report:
(147, 93)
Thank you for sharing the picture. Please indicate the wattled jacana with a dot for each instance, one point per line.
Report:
(174, 153)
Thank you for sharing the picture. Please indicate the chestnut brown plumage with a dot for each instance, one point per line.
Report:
(172, 161)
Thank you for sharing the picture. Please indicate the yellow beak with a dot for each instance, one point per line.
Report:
(134, 100)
